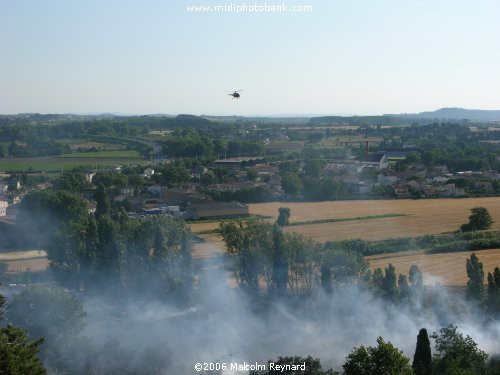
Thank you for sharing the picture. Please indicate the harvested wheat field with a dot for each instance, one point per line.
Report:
(28, 260)
(426, 216)
(446, 269)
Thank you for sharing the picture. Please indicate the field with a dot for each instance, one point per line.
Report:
(51, 163)
(20, 261)
(427, 216)
(446, 269)
(418, 217)
(103, 154)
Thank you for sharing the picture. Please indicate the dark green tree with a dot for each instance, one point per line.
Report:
(404, 288)
(280, 262)
(3, 306)
(49, 312)
(283, 216)
(456, 354)
(312, 167)
(389, 286)
(493, 292)
(480, 219)
(102, 201)
(252, 174)
(422, 359)
(251, 243)
(383, 359)
(291, 183)
(18, 355)
(475, 273)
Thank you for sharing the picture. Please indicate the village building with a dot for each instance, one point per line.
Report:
(3, 206)
(239, 162)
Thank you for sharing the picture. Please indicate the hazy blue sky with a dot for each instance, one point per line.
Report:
(344, 57)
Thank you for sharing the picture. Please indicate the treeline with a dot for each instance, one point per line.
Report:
(453, 354)
(192, 143)
(289, 263)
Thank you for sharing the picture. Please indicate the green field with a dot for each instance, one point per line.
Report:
(51, 163)
(103, 154)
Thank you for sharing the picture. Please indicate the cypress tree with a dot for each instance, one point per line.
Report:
(422, 360)
(280, 263)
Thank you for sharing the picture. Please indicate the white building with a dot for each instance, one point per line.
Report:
(148, 173)
(3, 206)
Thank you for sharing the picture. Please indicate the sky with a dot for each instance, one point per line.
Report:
(342, 57)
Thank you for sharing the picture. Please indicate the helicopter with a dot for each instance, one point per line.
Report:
(235, 95)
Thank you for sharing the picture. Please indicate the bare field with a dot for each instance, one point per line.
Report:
(447, 269)
(22, 265)
(426, 216)
(27, 260)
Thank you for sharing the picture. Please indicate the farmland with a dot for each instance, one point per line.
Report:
(446, 269)
(429, 216)
(415, 217)
(53, 163)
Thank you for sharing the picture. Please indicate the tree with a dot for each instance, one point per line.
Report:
(280, 262)
(291, 184)
(475, 273)
(422, 360)
(480, 219)
(3, 269)
(18, 355)
(340, 266)
(49, 312)
(454, 354)
(252, 174)
(3, 306)
(102, 201)
(251, 243)
(283, 216)
(312, 167)
(383, 359)
(493, 292)
(404, 288)
(416, 286)
(416, 279)
(389, 285)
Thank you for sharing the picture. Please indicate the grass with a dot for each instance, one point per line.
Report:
(50, 163)
(103, 154)
(202, 221)
(321, 221)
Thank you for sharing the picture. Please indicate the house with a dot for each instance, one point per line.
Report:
(198, 171)
(91, 206)
(440, 180)
(450, 190)
(239, 162)
(3, 206)
(14, 184)
(89, 176)
(44, 186)
(387, 180)
(155, 190)
(128, 191)
(148, 173)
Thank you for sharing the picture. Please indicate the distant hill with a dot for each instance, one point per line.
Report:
(454, 114)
